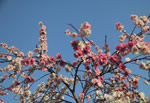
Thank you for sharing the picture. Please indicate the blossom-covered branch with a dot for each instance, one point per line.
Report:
(94, 75)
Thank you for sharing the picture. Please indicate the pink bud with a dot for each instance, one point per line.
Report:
(2, 100)
(28, 79)
(32, 61)
(51, 59)
(58, 56)
(81, 95)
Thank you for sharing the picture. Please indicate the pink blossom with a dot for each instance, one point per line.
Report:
(81, 95)
(125, 48)
(123, 78)
(122, 46)
(122, 66)
(94, 81)
(127, 72)
(97, 71)
(2, 100)
(87, 49)
(118, 24)
(74, 44)
(135, 82)
(85, 29)
(88, 61)
(119, 27)
(102, 59)
(100, 84)
(114, 59)
(52, 59)
(68, 32)
(75, 63)
(117, 47)
(28, 79)
(134, 17)
(58, 56)
(130, 44)
(74, 35)
(101, 79)
(78, 54)
(26, 61)
(42, 62)
(32, 61)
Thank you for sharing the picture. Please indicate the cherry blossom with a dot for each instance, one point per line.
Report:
(95, 74)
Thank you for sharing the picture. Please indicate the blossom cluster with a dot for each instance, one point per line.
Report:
(102, 76)
(125, 48)
(81, 48)
(42, 41)
(85, 29)
(28, 61)
(119, 27)
(140, 22)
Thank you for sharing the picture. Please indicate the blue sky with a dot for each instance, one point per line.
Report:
(19, 22)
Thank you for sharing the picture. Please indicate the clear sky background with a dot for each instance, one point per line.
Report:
(19, 23)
